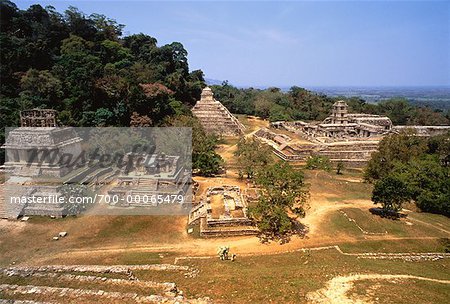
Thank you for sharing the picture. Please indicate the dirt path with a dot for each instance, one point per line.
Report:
(200, 248)
(336, 290)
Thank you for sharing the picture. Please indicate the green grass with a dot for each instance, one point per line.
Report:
(394, 246)
(228, 141)
(403, 291)
(367, 221)
(432, 226)
(284, 278)
(34, 241)
(435, 219)
(337, 187)
(337, 224)
(400, 237)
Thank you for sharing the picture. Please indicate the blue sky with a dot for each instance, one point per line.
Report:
(307, 43)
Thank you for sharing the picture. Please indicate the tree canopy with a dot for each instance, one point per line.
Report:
(79, 64)
(83, 67)
(251, 156)
(410, 168)
(282, 200)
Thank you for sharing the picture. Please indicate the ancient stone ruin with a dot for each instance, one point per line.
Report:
(342, 137)
(32, 152)
(72, 280)
(38, 118)
(155, 175)
(222, 211)
(40, 178)
(35, 150)
(341, 125)
(215, 117)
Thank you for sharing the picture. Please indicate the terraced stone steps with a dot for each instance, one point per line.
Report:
(69, 277)
(225, 231)
(132, 281)
(123, 269)
(197, 212)
(215, 117)
(76, 293)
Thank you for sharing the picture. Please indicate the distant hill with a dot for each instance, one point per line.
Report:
(433, 97)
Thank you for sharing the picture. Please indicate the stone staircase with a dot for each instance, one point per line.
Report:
(223, 230)
(146, 184)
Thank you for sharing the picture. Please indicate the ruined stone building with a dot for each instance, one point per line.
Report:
(341, 124)
(34, 164)
(150, 176)
(342, 137)
(215, 117)
(222, 211)
(49, 164)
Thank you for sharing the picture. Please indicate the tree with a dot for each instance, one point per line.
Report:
(428, 181)
(420, 164)
(205, 160)
(391, 192)
(140, 120)
(107, 29)
(317, 162)
(282, 200)
(397, 109)
(103, 118)
(41, 88)
(81, 66)
(141, 46)
(113, 52)
(396, 147)
(263, 106)
(251, 156)
(428, 117)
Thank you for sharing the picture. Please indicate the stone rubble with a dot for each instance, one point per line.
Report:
(110, 295)
(170, 292)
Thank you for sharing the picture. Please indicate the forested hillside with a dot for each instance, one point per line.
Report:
(82, 66)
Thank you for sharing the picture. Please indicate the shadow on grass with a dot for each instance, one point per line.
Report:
(298, 229)
(389, 214)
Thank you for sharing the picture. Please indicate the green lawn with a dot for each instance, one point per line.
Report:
(287, 278)
(403, 291)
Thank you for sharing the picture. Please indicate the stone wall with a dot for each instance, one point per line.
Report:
(423, 130)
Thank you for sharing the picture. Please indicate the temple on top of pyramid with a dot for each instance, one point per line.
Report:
(214, 117)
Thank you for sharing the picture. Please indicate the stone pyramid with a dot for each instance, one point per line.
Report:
(214, 117)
